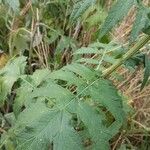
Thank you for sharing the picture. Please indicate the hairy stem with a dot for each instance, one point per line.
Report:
(126, 56)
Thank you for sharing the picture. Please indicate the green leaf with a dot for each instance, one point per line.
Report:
(19, 40)
(52, 125)
(21, 97)
(97, 18)
(46, 127)
(146, 72)
(79, 8)
(10, 74)
(100, 92)
(50, 106)
(117, 13)
(87, 50)
(28, 84)
(97, 130)
(53, 36)
(146, 29)
(140, 22)
(66, 75)
(53, 94)
(40, 76)
(81, 70)
(88, 61)
(65, 43)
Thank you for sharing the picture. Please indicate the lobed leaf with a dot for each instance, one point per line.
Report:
(140, 22)
(117, 12)
(79, 8)
(10, 74)
(46, 107)
(47, 127)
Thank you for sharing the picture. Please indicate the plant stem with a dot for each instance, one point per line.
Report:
(126, 56)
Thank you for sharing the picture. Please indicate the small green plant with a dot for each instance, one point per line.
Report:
(64, 108)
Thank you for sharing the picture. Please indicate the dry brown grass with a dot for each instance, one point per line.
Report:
(132, 83)
(138, 130)
(130, 87)
(140, 100)
(122, 31)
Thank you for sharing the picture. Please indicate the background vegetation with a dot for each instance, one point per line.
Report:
(74, 74)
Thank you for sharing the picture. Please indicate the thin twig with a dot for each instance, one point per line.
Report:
(116, 143)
